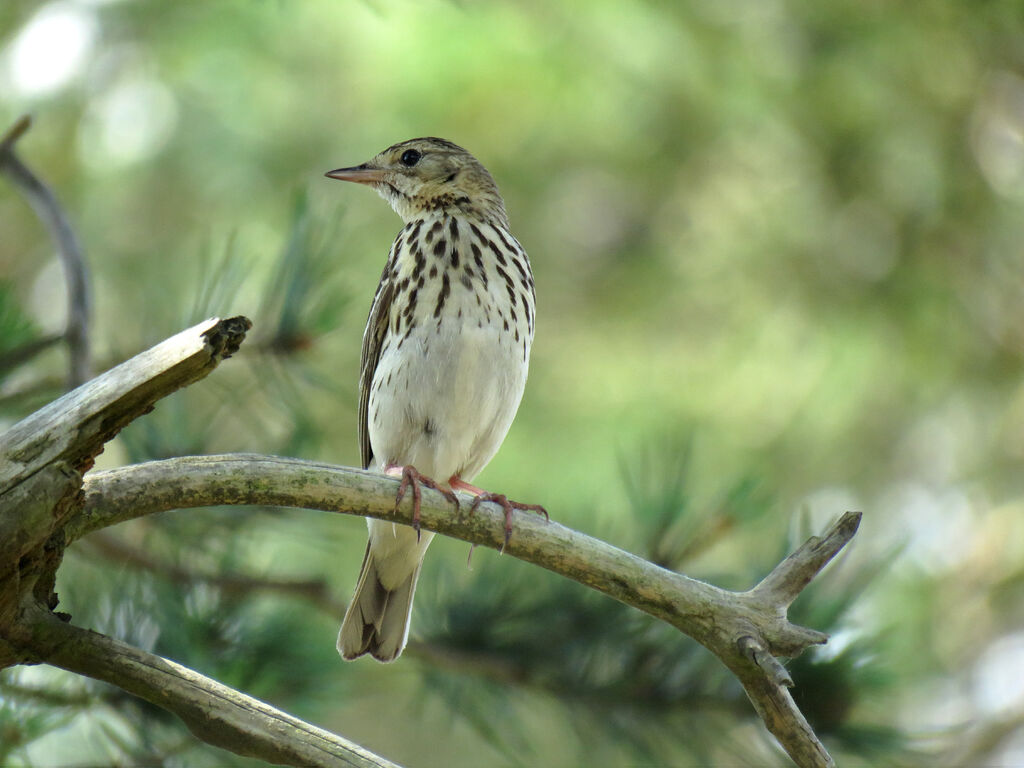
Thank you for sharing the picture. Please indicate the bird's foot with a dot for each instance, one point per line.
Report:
(498, 498)
(411, 478)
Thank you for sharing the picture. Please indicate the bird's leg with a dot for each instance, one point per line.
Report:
(457, 484)
(411, 478)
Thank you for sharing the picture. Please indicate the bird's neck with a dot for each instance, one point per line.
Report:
(459, 207)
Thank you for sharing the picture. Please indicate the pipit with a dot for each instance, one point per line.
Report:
(445, 357)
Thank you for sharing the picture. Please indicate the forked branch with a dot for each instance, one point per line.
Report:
(45, 504)
(746, 630)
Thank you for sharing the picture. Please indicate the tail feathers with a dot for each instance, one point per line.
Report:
(377, 619)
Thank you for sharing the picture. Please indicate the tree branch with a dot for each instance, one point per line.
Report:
(746, 630)
(215, 713)
(76, 274)
(74, 427)
(42, 459)
(43, 456)
(45, 504)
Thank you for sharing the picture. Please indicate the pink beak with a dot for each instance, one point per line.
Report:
(360, 174)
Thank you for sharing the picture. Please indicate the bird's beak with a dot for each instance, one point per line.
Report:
(360, 174)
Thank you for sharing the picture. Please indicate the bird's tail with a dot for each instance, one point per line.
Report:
(377, 619)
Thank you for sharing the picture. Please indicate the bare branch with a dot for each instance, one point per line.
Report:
(789, 577)
(74, 427)
(15, 132)
(76, 274)
(43, 457)
(745, 630)
(213, 712)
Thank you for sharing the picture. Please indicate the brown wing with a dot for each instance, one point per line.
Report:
(373, 341)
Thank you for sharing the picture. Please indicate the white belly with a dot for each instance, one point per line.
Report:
(444, 401)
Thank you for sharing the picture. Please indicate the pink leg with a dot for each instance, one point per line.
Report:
(457, 483)
(411, 478)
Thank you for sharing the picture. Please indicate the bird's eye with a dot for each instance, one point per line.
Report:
(410, 157)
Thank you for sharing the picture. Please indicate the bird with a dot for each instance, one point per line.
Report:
(444, 362)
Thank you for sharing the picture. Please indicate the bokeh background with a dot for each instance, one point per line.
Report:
(779, 251)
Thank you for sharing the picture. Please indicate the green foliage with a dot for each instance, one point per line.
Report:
(626, 680)
(22, 722)
(777, 251)
(20, 342)
(17, 328)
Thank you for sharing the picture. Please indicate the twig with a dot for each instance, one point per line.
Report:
(745, 630)
(213, 712)
(15, 132)
(788, 579)
(45, 204)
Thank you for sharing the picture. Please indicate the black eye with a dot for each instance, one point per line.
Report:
(410, 157)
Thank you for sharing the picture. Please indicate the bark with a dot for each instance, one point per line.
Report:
(215, 713)
(746, 630)
(45, 505)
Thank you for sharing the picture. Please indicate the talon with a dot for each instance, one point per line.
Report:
(508, 532)
(452, 498)
(411, 478)
(401, 491)
(417, 500)
(508, 506)
(531, 508)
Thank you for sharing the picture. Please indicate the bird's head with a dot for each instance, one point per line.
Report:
(421, 176)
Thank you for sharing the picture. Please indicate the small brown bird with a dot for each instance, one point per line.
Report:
(445, 357)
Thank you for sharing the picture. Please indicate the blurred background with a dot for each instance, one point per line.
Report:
(779, 253)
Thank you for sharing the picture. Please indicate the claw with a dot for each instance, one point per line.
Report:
(411, 478)
(508, 506)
